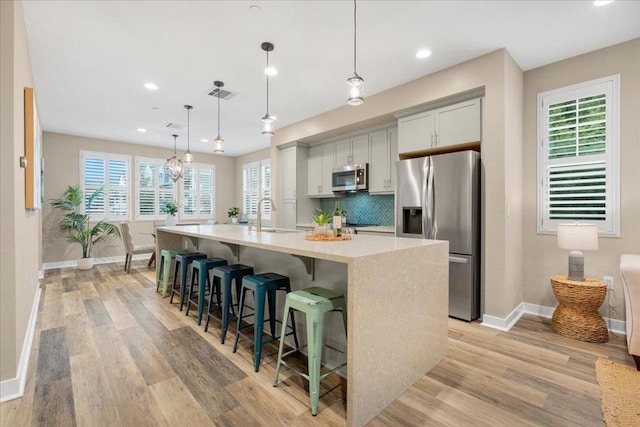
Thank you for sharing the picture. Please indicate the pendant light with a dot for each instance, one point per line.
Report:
(355, 84)
(218, 142)
(188, 155)
(174, 165)
(267, 120)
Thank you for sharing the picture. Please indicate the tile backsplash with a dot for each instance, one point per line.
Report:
(363, 208)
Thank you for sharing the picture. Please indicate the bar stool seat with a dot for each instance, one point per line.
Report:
(164, 270)
(264, 287)
(226, 274)
(200, 277)
(183, 262)
(314, 302)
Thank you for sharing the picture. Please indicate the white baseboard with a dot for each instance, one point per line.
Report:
(504, 324)
(14, 388)
(103, 260)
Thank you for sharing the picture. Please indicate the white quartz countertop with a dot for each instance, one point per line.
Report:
(294, 241)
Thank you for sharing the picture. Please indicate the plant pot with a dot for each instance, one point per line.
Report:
(85, 263)
(234, 220)
(170, 220)
(321, 229)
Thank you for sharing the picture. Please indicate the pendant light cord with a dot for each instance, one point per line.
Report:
(267, 84)
(354, 38)
(188, 128)
(175, 137)
(219, 112)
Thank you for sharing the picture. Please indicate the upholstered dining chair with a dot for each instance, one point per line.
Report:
(630, 270)
(131, 248)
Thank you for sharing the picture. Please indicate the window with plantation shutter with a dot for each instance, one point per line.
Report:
(578, 128)
(198, 191)
(256, 184)
(110, 172)
(153, 188)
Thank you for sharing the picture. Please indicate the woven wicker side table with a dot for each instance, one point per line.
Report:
(577, 314)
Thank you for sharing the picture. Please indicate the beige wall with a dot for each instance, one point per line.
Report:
(501, 80)
(242, 160)
(61, 153)
(19, 228)
(542, 257)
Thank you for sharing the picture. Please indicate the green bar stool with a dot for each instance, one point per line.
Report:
(166, 258)
(200, 278)
(314, 302)
(183, 262)
(264, 287)
(227, 274)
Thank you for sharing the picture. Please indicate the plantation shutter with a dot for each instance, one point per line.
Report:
(110, 172)
(154, 188)
(198, 191)
(579, 145)
(250, 189)
(265, 187)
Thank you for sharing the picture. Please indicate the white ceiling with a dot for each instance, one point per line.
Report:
(91, 58)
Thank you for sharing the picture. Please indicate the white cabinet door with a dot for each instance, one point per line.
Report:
(288, 173)
(416, 132)
(343, 152)
(379, 164)
(458, 123)
(393, 156)
(288, 214)
(360, 149)
(327, 169)
(315, 170)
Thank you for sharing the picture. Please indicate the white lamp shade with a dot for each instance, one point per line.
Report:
(579, 237)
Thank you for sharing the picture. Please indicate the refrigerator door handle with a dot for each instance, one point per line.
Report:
(428, 198)
(458, 259)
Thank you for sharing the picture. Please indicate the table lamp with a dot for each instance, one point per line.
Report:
(577, 237)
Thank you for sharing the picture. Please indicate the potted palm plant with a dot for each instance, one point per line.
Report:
(78, 226)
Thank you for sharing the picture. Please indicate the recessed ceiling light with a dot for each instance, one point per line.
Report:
(141, 130)
(151, 86)
(271, 71)
(255, 8)
(602, 2)
(155, 108)
(423, 53)
(204, 140)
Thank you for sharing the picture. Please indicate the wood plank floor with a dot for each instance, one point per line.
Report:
(109, 351)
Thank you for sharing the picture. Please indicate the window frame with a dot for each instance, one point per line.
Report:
(107, 187)
(198, 192)
(609, 85)
(159, 164)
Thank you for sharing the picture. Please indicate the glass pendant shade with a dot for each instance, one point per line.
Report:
(218, 145)
(355, 90)
(188, 157)
(267, 125)
(174, 165)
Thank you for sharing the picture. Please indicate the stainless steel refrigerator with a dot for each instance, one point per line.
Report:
(438, 197)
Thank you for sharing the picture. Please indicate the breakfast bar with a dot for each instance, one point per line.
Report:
(396, 291)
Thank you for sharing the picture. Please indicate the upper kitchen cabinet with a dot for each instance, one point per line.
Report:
(352, 151)
(320, 161)
(454, 124)
(289, 173)
(383, 147)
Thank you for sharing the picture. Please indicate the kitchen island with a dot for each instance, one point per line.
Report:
(396, 291)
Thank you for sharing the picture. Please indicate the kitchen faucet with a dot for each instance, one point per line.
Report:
(273, 209)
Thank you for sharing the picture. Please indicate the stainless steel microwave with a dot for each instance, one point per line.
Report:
(350, 178)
